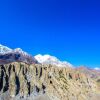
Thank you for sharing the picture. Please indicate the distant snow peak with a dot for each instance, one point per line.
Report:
(19, 50)
(4, 49)
(97, 68)
(44, 59)
(8, 55)
(48, 59)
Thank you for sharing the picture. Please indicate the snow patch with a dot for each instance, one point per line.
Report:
(48, 59)
(4, 49)
(97, 68)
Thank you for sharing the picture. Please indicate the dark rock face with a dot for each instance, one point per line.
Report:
(16, 57)
(8, 55)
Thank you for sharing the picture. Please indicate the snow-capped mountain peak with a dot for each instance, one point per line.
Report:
(4, 49)
(47, 59)
(8, 55)
(43, 58)
(19, 50)
(97, 68)
(19, 55)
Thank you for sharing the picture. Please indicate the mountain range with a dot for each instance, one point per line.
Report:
(44, 77)
(9, 55)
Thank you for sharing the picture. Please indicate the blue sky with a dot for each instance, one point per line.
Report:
(67, 29)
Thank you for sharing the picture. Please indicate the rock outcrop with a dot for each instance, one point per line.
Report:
(20, 81)
(8, 55)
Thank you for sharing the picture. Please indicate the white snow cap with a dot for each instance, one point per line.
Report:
(97, 68)
(20, 51)
(47, 59)
(4, 49)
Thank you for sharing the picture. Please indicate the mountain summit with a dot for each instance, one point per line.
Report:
(4, 49)
(8, 55)
(44, 77)
(11, 55)
(47, 59)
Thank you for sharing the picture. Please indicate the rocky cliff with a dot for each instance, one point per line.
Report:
(20, 81)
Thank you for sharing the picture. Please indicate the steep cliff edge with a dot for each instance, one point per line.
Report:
(20, 81)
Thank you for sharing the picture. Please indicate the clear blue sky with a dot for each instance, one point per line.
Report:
(68, 29)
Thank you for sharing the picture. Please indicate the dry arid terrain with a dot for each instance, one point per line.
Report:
(20, 81)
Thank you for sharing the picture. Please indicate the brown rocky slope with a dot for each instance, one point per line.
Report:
(20, 81)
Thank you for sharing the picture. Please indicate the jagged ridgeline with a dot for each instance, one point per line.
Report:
(45, 82)
(44, 77)
(8, 55)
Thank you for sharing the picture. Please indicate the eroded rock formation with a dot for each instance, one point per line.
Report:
(45, 82)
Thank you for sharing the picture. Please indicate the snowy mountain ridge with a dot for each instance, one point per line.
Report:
(8, 55)
(43, 59)
(5, 50)
(48, 59)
